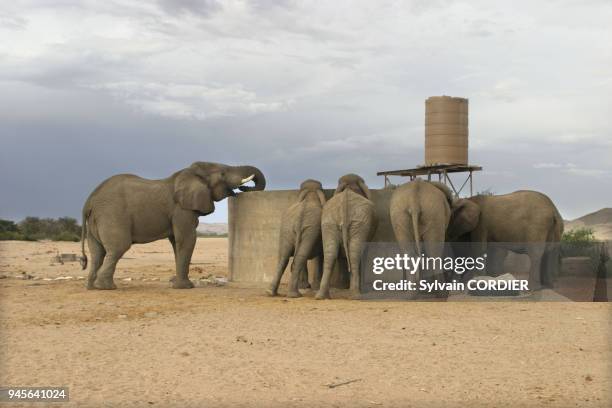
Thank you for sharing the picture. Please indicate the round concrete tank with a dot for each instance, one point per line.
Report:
(446, 130)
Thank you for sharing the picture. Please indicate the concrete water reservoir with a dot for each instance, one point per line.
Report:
(253, 233)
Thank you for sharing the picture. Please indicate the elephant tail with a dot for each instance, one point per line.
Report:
(344, 227)
(298, 229)
(558, 224)
(85, 215)
(415, 230)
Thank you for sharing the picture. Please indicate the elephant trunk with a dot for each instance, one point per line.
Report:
(245, 172)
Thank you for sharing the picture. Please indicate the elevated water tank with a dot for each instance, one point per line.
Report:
(446, 130)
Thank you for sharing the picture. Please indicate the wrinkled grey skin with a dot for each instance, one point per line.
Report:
(520, 217)
(420, 213)
(300, 237)
(348, 219)
(127, 209)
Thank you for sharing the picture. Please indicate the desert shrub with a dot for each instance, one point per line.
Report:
(486, 192)
(579, 236)
(35, 228)
(8, 226)
(67, 236)
(211, 235)
(9, 231)
(581, 242)
(12, 236)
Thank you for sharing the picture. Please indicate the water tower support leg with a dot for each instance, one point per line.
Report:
(471, 185)
(451, 184)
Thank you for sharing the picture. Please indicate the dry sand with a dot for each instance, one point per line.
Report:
(148, 345)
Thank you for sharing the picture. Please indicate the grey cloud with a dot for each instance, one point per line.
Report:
(12, 22)
(202, 8)
(299, 89)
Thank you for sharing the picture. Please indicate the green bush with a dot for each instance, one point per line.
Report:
(12, 236)
(8, 226)
(579, 236)
(67, 236)
(581, 242)
(35, 228)
(210, 235)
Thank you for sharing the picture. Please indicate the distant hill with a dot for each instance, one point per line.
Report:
(213, 228)
(599, 221)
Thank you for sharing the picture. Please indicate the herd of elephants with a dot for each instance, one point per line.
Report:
(127, 209)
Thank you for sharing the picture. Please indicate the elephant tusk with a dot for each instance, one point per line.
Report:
(246, 180)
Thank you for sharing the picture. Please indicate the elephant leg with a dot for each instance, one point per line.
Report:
(331, 245)
(550, 265)
(535, 252)
(298, 267)
(303, 282)
(495, 260)
(104, 278)
(173, 243)
(300, 260)
(284, 254)
(185, 236)
(355, 247)
(98, 253)
(404, 234)
(434, 248)
(317, 269)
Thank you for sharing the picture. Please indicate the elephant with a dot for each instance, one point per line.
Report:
(420, 212)
(126, 209)
(300, 236)
(523, 222)
(348, 218)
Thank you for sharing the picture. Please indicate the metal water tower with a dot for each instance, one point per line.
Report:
(446, 130)
(446, 144)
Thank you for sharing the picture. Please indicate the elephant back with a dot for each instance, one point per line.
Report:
(359, 208)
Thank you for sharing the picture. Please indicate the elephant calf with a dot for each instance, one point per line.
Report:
(349, 219)
(127, 209)
(523, 222)
(300, 236)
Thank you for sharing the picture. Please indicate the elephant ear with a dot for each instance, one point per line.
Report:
(341, 187)
(321, 196)
(365, 189)
(191, 193)
(444, 188)
(464, 219)
(302, 195)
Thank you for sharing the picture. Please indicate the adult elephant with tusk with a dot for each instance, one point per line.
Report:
(127, 209)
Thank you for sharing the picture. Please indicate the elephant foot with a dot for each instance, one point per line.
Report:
(271, 292)
(294, 294)
(182, 284)
(322, 295)
(356, 296)
(304, 285)
(104, 284)
(441, 294)
(533, 287)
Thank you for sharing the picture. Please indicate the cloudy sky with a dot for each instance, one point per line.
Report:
(305, 89)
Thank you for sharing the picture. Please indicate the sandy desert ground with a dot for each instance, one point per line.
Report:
(228, 345)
